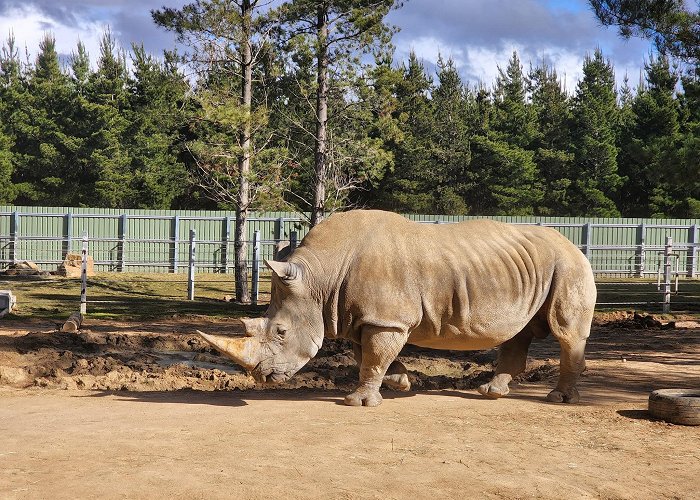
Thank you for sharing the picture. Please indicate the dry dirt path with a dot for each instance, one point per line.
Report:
(305, 444)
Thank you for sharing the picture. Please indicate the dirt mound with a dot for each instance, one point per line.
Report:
(138, 361)
(631, 320)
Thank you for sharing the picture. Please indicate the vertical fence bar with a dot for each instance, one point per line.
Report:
(692, 251)
(225, 243)
(193, 259)
(292, 240)
(668, 250)
(279, 234)
(256, 268)
(121, 249)
(586, 239)
(14, 235)
(69, 234)
(174, 237)
(641, 256)
(83, 274)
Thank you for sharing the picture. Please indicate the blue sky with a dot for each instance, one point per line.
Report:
(479, 35)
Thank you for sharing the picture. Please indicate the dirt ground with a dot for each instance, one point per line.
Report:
(126, 410)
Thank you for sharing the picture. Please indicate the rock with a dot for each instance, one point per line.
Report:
(24, 268)
(72, 265)
(16, 377)
(229, 298)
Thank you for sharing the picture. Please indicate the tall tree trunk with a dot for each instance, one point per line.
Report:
(243, 195)
(320, 174)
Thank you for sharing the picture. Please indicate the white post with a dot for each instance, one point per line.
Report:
(668, 250)
(256, 268)
(83, 275)
(190, 278)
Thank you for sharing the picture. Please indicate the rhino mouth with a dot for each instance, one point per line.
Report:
(270, 376)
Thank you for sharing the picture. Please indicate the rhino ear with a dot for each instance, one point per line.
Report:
(285, 270)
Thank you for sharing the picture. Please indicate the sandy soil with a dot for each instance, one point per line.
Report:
(126, 410)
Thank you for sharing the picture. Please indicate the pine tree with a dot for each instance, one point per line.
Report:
(156, 93)
(551, 142)
(332, 33)
(514, 119)
(109, 163)
(449, 172)
(44, 141)
(595, 175)
(503, 168)
(406, 188)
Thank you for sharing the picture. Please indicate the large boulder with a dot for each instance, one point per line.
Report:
(72, 266)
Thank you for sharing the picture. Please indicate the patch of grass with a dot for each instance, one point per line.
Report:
(124, 296)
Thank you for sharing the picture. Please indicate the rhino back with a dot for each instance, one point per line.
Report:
(469, 285)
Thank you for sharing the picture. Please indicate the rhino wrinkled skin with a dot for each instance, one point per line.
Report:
(382, 281)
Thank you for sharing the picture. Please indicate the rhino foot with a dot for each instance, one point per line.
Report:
(397, 382)
(363, 398)
(558, 396)
(497, 387)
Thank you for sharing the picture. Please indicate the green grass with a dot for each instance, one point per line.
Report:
(125, 296)
(129, 296)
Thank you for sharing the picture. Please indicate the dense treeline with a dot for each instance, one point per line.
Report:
(134, 131)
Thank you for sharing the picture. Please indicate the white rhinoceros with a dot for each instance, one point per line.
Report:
(382, 281)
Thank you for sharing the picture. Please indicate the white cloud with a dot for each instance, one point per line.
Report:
(29, 26)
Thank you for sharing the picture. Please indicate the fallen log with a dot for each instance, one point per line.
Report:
(73, 323)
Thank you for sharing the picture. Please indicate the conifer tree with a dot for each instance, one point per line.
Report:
(593, 140)
(407, 187)
(551, 142)
(449, 172)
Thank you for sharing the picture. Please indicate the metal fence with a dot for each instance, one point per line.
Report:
(147, 241)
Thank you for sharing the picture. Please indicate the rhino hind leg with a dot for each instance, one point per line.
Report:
(512, 357)
(570, 313)
(396, 377)
(378, 351)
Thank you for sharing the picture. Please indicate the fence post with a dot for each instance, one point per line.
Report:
(641, 257)
(14, 232)
(668, 250)
(256, 268)
(292, 240)
(190, 277)
(692, 251)
(69, 234)
(121, 249)
(83, 275)
(587, 240)
(279, 234)
(227, 238)
(175, 235)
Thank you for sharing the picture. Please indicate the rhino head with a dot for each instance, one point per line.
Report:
(290, 333)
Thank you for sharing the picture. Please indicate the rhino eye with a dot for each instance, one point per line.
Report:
(281, 331)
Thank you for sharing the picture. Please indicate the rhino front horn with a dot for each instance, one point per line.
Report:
(244, 351)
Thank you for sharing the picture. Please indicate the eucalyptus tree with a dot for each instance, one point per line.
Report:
(226, 40)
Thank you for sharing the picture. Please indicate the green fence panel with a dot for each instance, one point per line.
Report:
(158, 240)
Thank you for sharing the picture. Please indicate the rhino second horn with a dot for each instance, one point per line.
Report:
(244, 351)
(285, 270)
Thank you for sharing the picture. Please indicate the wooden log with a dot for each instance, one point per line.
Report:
(73, 323)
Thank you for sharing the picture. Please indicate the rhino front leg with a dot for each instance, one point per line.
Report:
(512, 357)
(378, 350)
(396, 376)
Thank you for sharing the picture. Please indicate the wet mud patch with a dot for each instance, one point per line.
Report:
(140, 361)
